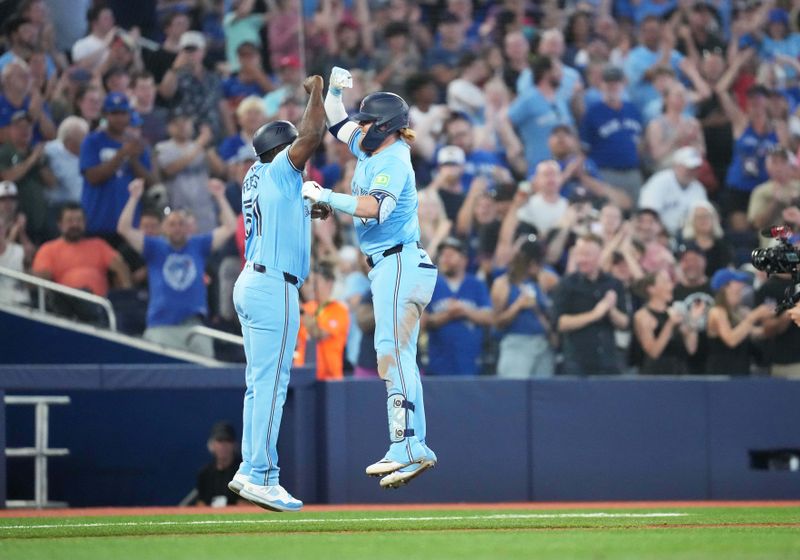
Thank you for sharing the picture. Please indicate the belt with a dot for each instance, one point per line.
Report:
(390, 251)
(291, 278)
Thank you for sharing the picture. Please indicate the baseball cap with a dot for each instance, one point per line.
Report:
(222, 431)
(289, 61)
(613, 74)
(450, 155)
(116, 102)
(8, 189)
(453, 243)
(192, 39)
(777, 15)
(687, 157)
(725, 276)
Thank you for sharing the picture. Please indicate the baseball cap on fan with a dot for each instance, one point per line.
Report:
(451, 155)
(192, 40)
(8, 189)
(290, 61)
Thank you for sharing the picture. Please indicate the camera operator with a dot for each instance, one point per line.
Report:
(782, 337)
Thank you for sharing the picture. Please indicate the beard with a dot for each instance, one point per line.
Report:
(73, 235)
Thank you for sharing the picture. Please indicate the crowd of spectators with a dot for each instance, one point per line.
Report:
(592, 174)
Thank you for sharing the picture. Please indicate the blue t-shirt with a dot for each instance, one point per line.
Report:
(230, 147)
(103, 203)
(454, 348)
(789, 46)
(385, 174)
(233, 88)
(7, 109)
(50, 66)
(175, 277)
(748, 168)
(612, 136)
(589, 166)
(526, 321)
(277, 219)
(534, 117)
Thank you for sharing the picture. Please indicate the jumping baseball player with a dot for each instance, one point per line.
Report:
(384, 201)
(266, 297)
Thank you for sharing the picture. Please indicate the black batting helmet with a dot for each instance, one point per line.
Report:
(388, 112)
(272, 135)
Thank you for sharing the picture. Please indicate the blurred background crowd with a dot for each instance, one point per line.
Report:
(592, 175)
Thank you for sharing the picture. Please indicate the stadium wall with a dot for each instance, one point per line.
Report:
(137, 436)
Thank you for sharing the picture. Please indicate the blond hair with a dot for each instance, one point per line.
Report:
(408, 134)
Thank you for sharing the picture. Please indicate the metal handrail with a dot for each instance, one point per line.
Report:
(214, 333)
(43, 285)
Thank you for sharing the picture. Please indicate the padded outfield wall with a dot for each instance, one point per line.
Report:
(131, 429)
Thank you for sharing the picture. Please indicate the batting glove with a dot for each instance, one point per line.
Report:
(340, 79)
(314, 192)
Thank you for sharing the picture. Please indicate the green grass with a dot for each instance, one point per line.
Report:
(702, 533)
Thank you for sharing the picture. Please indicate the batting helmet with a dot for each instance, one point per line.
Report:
(272, 135)
(387, 111)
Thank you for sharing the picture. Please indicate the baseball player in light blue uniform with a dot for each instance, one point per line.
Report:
(266, 297)
(384, 203)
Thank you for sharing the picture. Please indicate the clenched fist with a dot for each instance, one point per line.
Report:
(321, 211)
(313, 191)
(313, 82)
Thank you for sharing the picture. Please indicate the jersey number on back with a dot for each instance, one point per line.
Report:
(252, 218)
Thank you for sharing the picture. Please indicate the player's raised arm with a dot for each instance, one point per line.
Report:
(335, 113)
(312, 126)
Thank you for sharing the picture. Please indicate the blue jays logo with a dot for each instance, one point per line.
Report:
(179, 272)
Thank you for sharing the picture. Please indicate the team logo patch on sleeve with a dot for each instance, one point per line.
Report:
(381, 180)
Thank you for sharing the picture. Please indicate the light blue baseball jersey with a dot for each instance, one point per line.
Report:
(277, 220)
(386, 174)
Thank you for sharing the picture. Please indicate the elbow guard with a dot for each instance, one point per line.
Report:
(386, 204)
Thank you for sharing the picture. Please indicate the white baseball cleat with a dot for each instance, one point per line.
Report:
(238, 482)
(384, 467)
(274, 498)
(406, 474)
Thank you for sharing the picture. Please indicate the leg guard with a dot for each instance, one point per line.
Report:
(401, 418)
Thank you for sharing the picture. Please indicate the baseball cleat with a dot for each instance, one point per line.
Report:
(384, 467)
(238, 482)
(274, 498)
(406, 474)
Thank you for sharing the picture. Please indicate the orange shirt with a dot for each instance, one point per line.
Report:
(82, 265)
(334, 320)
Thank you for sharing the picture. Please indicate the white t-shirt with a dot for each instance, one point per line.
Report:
(88, 46)
(541, 214)
(10, 290)
(666, 196)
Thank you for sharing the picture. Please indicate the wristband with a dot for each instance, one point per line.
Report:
(337, 91)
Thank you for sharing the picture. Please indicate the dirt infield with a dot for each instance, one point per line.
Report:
(534, 506)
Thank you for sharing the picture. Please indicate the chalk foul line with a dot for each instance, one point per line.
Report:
(290, 521)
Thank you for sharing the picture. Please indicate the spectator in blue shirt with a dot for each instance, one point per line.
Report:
(110, 159)
(521, 309)
(551, 44)
(20, 95)
(249, 118)
(21, 43)
(175, 267)
(442, 59)
(250, 78)
(611, 131)
(478, 163)
(535, 112)
(579, 171)
(656, 50)
(457, 314)
(778, 40)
